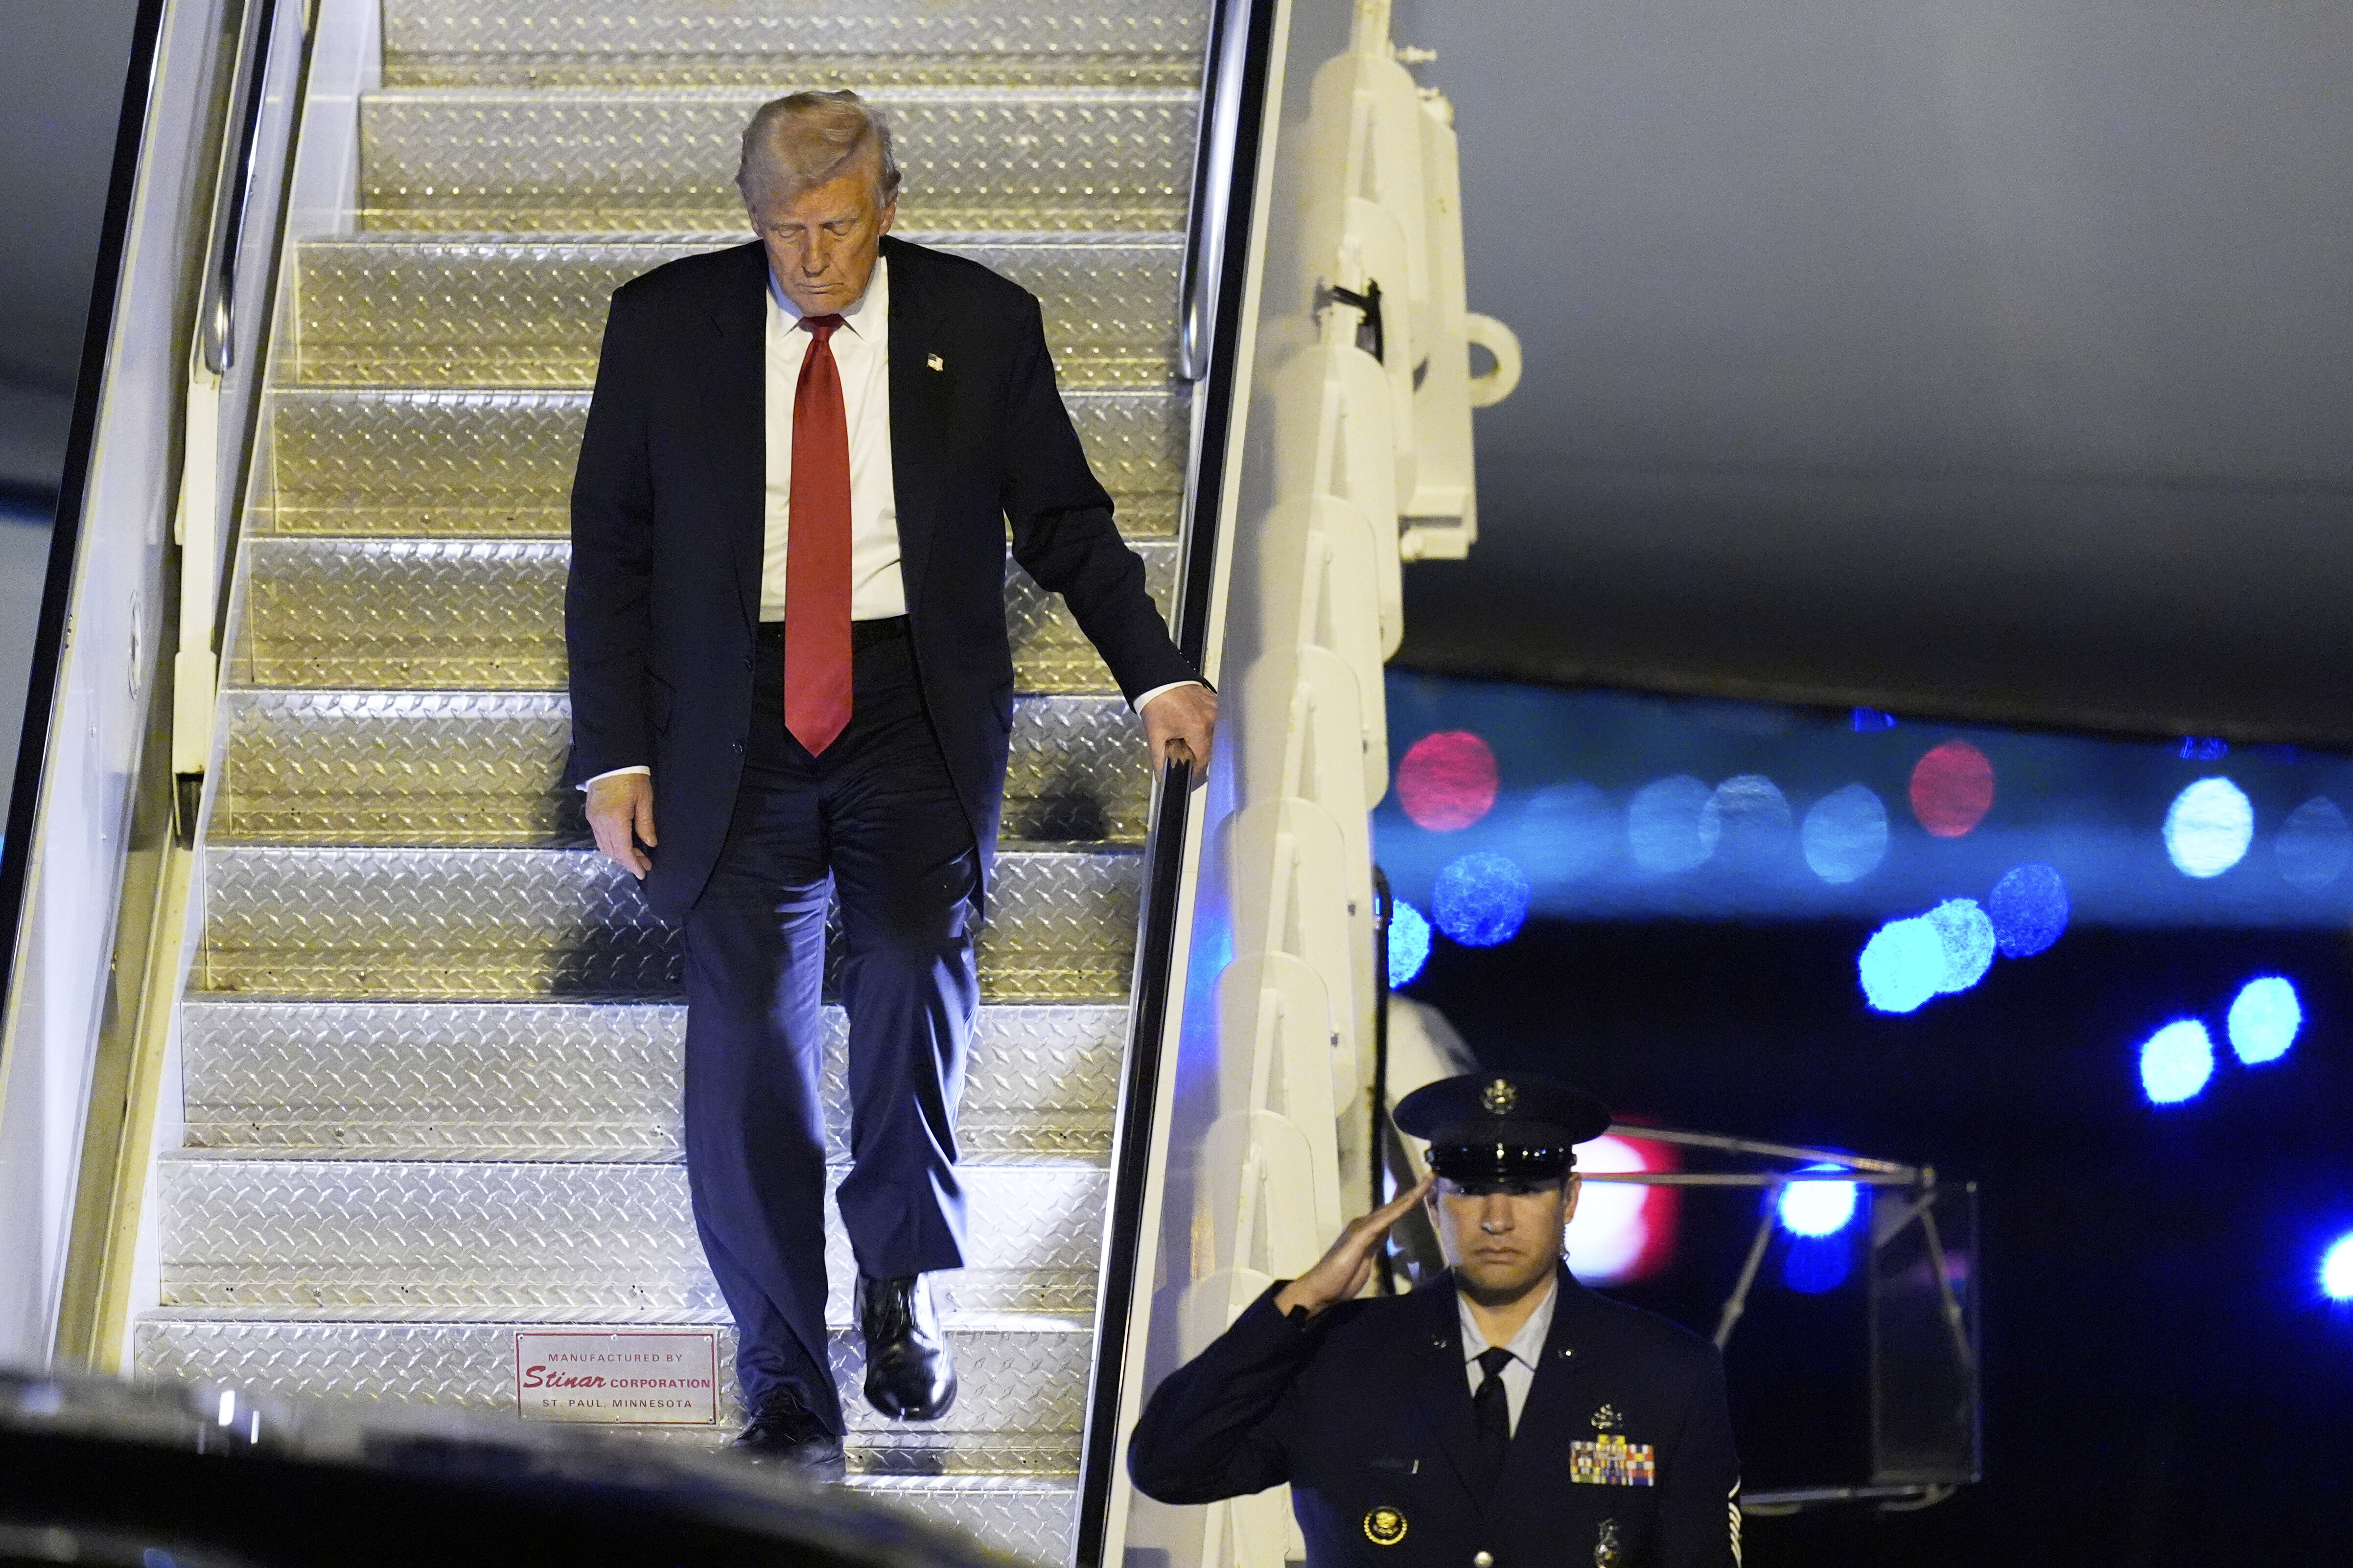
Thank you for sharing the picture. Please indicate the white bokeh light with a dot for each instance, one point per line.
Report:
(1818, 1207)
(2209, 827)
(2337, 1270)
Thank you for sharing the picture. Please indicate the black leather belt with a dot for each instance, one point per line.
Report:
(863, 634)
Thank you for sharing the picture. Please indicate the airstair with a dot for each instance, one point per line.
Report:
(429, 1042)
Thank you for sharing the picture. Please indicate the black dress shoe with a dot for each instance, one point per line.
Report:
(910, 1373)
(785, 1433)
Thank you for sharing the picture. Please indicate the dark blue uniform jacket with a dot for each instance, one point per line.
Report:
(1623, 1455)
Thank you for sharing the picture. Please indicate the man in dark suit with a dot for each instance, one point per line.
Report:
(786, 619)
(1501, 1417)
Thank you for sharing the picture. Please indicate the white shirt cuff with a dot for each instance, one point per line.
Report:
(620, 773)
(1145, 700)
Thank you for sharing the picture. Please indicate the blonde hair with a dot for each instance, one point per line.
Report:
(805, 140)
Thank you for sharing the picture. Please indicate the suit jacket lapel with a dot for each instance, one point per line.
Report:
(1441, 1394)
(918, 394)
(736, 433)
(1549, 1419)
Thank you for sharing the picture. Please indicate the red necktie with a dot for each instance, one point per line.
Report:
(817, 552)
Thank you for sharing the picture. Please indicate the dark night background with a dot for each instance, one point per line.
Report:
(2164, 1383)
(1991, 360)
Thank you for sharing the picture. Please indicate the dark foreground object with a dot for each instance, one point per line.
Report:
(95, 1472)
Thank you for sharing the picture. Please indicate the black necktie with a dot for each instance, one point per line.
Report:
(1491, 1411)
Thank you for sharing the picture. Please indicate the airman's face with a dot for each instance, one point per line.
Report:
(1502, 1238)
(822, 244)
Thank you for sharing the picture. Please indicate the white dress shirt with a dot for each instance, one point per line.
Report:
(861, 353)
(1527, 1348)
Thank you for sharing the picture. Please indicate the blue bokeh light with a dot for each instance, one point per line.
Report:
(1747, 818)
(1902, 965)
(2337, 1270)
(1968, 940)
(1409, 942)
(1479, 899)
(2204, 748)
(2176, 1062)
(1818, 1207)
(1867, 720)
(2028, 909)
(1566, 831)
(1668, 825)
(1845, 835)
(1815, 1265)
(2313, 844)
(2264, 1018)
(2209, 827)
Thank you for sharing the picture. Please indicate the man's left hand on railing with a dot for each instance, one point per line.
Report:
(1187, 713)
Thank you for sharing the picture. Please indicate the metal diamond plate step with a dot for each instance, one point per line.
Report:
(403, 923)
(357, 614)
(511, 313)
(485, 768)
(570, 1240)
(556, 1079)
(1034, 1516)
(558, 162)
(457, 464)
(1018, 1412)
(785, 44)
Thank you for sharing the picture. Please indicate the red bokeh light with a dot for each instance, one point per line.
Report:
(1622, 1232)
(1952, 789)
(1446, 782)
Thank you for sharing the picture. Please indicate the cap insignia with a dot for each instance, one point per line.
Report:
(1499, 1097)
(1385, 1526)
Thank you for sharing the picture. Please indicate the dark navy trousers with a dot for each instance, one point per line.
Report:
(876, 821)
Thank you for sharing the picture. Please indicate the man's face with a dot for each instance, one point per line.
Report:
(821, 243)
(1502, 1238)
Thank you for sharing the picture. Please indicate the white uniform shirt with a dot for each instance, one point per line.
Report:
(1527, 1348)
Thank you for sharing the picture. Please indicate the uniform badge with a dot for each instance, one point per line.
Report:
(1606, 1418)
(1500, 1096)
(935, 362)
(1385, 1527)
(1611, 1462)
(1605, 1546)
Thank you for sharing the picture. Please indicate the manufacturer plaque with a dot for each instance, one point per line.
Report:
(653, 1377)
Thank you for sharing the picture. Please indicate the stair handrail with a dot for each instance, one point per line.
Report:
(1133, 1144)
(1223, 85)
(205, 528)
(233, 188)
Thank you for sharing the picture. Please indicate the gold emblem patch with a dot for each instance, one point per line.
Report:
(1385, 1527)
(1499, 1097)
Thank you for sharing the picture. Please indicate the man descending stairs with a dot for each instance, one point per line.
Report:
(431, 1041)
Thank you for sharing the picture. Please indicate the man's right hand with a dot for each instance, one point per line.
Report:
(621, 810)
(1343, 1272)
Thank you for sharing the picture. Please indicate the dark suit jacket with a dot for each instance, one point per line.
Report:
(668, 514)
(1366, 1408)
